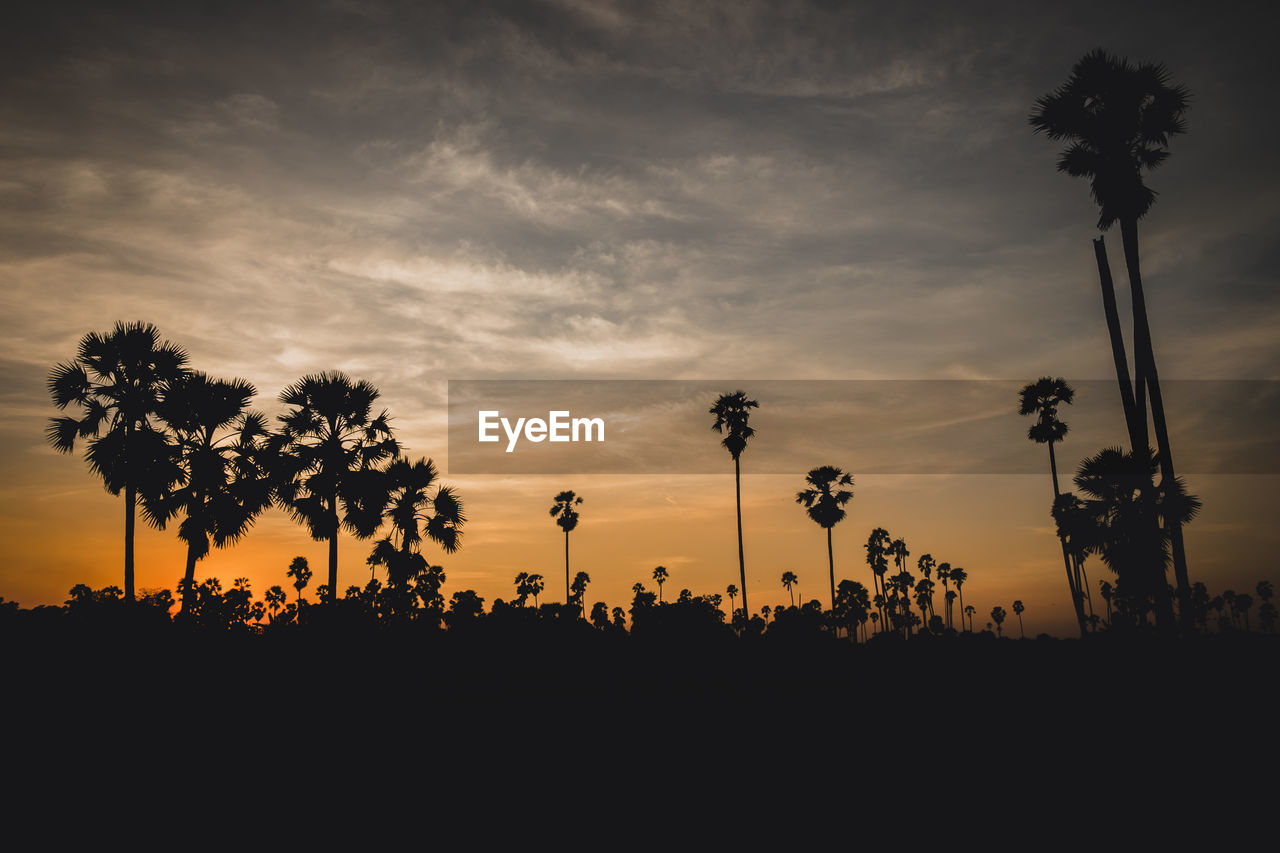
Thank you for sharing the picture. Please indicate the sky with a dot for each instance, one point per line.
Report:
(414, 193)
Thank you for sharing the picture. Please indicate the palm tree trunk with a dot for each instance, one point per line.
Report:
(1076, 596)
(189, 579)
(566, 567)
(831, 564)
(742, 564)
(130, 498)
(1144, 354)
(333, 553)
(1132, 415)
(1022, 634)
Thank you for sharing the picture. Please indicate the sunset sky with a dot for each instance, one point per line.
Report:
(414, 193)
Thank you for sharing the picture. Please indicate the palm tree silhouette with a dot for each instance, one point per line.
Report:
(958, 577)
(118, 380)
(221, 451)
(732, 592)
(968, 611)
(1018, 608)
(944, 574)
(732, 413)
(329, 452)
(826, 507)
(1134, 522)
(301, 574)
(877, 548)
(578, 590)
(418, 508)
(789, 580)
(660, 576)
(1119, 119)
(997, 616)
(565, 514)
(1042, 398)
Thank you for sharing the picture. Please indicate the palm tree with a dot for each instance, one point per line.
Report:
(660, 575)
(275, 599)
(418, 508)
(1134, 522)
(958, 577)
(565, 514)
(789, 580)
(1119, 119)
(997, 616)
(732, 592)
(301, 574)
(944, 574)
(1018, 608)
(118, 381)
(578, 590)
(220, 449)
(330, 453)
(1042, 398)
(826, 507)
(877, 558)
(732, 413)
(968, 611)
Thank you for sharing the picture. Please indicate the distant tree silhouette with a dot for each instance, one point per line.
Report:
(578, 590)
(789, 580)
(1119, 119)
(660, 577)
(600, 615)
(301, 574)
(969, 611)
(118, 381)
(732, 413)
(853, 606)
(877, 548)
(926, 565)
(528, 584)
(732, 592)
(225, 475)
(275, 599)
(825, 503)
(958, 577)
(1018, 608)
(330, 453)
(565, 512)
(944, 575)
(1042, 399)
(997, 616)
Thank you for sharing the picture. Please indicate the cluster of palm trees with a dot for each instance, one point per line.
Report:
(184, 446)
(1118, 119)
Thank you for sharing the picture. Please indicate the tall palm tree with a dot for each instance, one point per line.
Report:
(944, 574)
(1042, 399)
(1018, 608)
(958, 577)
(118, 380)
(789, 580)
(733, 411)
(1119, 119)
(418, 508)
(221, 451)
(826, 507)
(566, 515)
(660, 576)
(732, 592)
(877, 558)
(330, 454)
